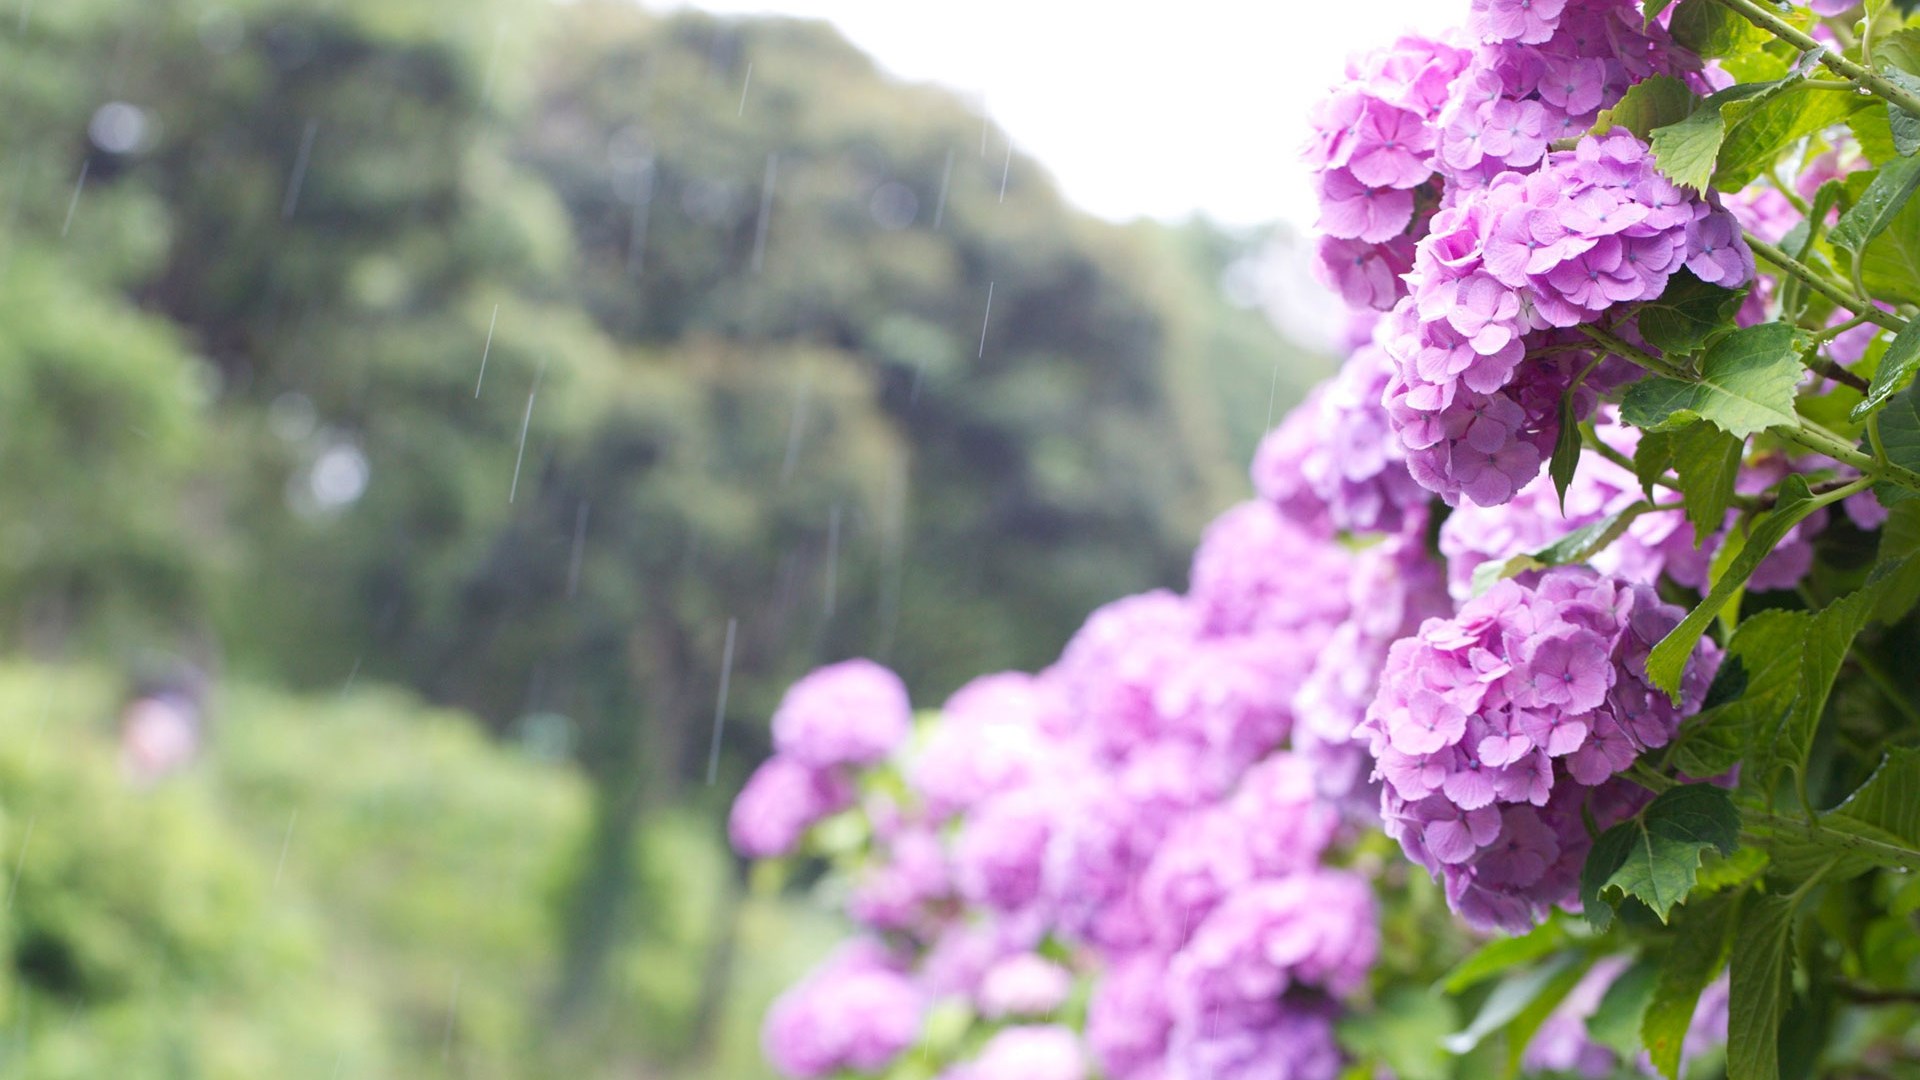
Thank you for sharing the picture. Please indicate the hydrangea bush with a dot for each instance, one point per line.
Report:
(1545, 711)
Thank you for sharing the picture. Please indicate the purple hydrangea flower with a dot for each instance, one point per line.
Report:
(1365, 275)
(1127, 1017)
(1257, 570)
(1394, 589)
(780, 801)
(1279, 1041)
(995, 734)
(1494, 728)
(1352, 210)
(1110, 670)
(1034, 1052)
(1024, 984)
(856, 1011)
(896, 891)
(1309, 930)
(1504, 265)
(1000, 855)
(851, 713)
(1334, 464)
(1529, 22)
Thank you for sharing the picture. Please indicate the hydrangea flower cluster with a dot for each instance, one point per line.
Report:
(1589, 229)
(1034, 1052)
(1160, 824)
(1132, 804)
(1372, 151)
(1334, 464)
(1443, 199)
(840, 717)
(1495, 729)
(1395, 587)
(1426, 118)
(856, 1011)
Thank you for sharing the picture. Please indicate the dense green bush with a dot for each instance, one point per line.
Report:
(144, 937)
(353, 882)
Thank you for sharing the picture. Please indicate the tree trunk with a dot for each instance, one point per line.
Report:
(636, 774)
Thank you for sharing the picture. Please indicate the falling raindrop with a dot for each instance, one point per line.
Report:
(946, 178)
(983, 321)
(720, 705)
(74, 203)
(766, 211)
(299, 176)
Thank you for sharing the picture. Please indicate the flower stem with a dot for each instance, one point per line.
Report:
(1834, 331)
(1819, 283)
(1861, 77)
(1821, 441)
(1834, 371)
(1619, 347)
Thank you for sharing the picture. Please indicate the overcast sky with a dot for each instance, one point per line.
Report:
(1157, 109)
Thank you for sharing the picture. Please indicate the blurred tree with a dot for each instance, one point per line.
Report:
(555, 368)
(140, 936)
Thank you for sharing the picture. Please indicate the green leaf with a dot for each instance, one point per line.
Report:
(1895, 565)
(1566, 448)
(1761, 127)
(1762, 969)
(1693, 956)
(1526, 1023)
(1762, 666)
(1404, 1032)
(1890, 799)
(1706, 28)
(1872, 129)
(1615, 1022)
(1788, 660)
(1685, 152)
(1652, 458)
(1609, 853)
(1890, 264)
(1899, 424)
(1895, 371)
(1575, 547)
(1501, 955)
(1707, 461)
(1878, 825)
(1746, 385)
(1904, 126)
(1830, 633)
(1899, 50)
(1883, 200)
(1648, 104)
(1733, 871)
(1511, 998)
(1669, 658)
(1687, 314)
(1653, 8)
(1659, 859)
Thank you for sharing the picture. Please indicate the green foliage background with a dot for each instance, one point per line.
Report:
(452, 818)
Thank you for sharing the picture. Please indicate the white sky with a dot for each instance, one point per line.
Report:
(1156, 109)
